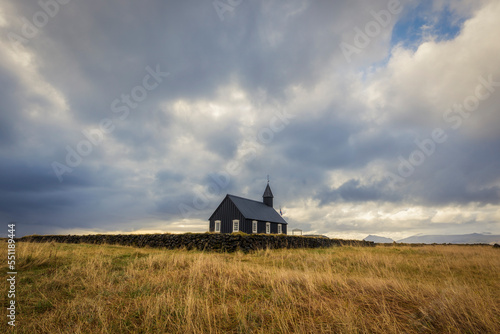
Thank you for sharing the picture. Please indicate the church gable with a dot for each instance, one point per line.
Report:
(225, 213)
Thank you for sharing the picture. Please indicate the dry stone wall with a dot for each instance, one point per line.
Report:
(201, 241)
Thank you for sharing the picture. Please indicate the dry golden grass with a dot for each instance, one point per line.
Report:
(65, 288)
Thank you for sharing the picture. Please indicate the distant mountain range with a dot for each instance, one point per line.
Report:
(474, 238)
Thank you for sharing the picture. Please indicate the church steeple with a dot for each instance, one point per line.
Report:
(267, 198)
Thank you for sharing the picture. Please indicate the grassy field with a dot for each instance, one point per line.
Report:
(65, 288)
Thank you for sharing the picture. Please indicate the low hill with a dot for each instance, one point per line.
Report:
(378, 240)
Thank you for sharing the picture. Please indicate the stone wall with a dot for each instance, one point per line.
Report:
(201, 241)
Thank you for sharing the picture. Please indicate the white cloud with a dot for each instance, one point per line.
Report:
(416, 88)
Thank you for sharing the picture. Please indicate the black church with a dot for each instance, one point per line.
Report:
(236, 214)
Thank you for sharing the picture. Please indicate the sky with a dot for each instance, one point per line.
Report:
(370, 117)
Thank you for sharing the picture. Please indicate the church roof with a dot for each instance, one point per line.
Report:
(251, 209)
(268, 192)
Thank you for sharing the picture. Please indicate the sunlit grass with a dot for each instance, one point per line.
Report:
(115, 289)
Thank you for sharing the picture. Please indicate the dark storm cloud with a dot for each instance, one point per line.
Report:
(461, 172)
(331, 142)
(352, 191)
(23, 177)
(279, 51)
(188, 40)
(29, 192)
(165, 176)
(218, 142)
(9, 115)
